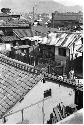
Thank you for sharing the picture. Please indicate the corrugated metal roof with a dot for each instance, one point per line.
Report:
(9, 38)
(61, 39)
(23, 32)
(80, 49)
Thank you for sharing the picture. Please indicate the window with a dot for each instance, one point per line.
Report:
(47, 93)
(62, 52)
(8, 32)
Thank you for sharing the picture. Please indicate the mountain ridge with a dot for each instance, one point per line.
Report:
(47, 6)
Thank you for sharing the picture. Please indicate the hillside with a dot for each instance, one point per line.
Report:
(47, 6)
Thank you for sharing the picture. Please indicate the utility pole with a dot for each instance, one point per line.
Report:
(73, 54)
(43, 110)
(22, 115)
(43, 103)
(53, 20)
(33, 14)
(34, 7)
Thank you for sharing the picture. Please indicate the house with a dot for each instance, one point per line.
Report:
(8, 17)
(24, 96)
(40, 30)
(59, 46)
(5, 17)
(66, 19)
(7, 39)
(14, 31)
(9, 93)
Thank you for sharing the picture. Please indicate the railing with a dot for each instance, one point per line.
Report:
(21, 112)
(60, 112)
(73, 83)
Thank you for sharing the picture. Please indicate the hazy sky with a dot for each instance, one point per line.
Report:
(65, 2)
(26, 3)
(71, 2)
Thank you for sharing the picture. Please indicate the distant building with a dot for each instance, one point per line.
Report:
(7, 17)
(65, 19)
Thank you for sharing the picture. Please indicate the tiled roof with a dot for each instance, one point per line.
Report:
(14, 84)
(20, 21)
(4, 15)
(23, 32)
(9, 38)
(41, 29)
(12, 23)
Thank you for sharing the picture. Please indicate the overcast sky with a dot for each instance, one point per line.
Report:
(26, 3)
(65, 2)
(71, 2)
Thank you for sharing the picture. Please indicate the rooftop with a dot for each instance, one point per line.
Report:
(16, 80)
(76, 118)
(21, 33)
(40, 29)
(80, 49)
(68, 16)
(14, 84)
(63, 39)
(4, 15)
(9, 38)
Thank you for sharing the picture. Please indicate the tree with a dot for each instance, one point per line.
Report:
(5, 10)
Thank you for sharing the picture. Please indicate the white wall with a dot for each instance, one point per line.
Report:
(2, 47)
(67, 52)
(34, 114)
(56, 50)
(78, 44)
(5, 47)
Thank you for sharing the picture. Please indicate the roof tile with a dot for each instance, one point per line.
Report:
(14, 86)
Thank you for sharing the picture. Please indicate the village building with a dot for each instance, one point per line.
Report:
(60, 46)
(19, 100)
(66, 20)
